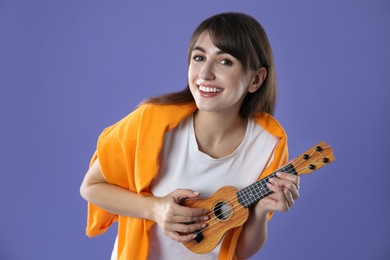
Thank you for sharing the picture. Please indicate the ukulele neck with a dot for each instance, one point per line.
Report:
(316, 157)
(258, 190)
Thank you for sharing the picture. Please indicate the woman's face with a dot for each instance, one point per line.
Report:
(217, 80)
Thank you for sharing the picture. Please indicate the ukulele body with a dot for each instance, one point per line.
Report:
(225, 213)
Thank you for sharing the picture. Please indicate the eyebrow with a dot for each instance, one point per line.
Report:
(198, 48)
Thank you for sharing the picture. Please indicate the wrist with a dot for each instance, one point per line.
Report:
(152, 208)
(260, 212)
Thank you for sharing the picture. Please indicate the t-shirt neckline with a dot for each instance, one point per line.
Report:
(204, 156)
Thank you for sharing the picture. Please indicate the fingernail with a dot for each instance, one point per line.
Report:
(278, 174)
(204, 225)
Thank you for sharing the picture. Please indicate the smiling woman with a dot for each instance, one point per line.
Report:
(218, 131)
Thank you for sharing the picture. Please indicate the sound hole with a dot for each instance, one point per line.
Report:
(222, 210)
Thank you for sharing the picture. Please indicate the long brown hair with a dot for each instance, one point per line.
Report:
(243, 37)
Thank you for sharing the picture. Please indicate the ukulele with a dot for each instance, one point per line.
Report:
(229, 207)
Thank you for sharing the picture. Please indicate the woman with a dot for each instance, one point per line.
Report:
(218, 131)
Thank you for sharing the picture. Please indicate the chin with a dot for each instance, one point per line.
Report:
(205, 108)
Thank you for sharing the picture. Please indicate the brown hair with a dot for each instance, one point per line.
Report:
(243, 37)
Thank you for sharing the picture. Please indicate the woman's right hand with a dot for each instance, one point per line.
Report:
(178, 222)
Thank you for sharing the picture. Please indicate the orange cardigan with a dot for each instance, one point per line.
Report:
(129, 151)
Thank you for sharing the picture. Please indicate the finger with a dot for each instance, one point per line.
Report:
(184, 193)
(291, 185)
(287, 176)
(274, 185)
(294, 192)
(184, 212)
(187, 228)
(181, 237)
(182, 232)
(288, 197)
(281, 203)
(176, 213)
(189, 219)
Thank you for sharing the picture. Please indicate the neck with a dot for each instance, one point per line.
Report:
(218, 134)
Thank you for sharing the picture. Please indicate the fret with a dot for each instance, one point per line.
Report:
(289, 169)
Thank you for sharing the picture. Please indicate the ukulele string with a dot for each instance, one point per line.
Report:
(289, 169)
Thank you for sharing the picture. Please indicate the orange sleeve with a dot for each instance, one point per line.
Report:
(98, 220)
(115, 151)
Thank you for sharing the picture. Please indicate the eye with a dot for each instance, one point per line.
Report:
(226, 62)
(197, 58)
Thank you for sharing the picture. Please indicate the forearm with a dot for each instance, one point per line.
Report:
(118, 200)
(115, 199)
(253, 235)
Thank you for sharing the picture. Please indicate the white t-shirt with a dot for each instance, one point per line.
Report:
(184, 166)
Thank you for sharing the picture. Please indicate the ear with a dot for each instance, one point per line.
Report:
(257, 79)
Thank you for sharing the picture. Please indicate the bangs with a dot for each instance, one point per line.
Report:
(228, 40)
(236, 38)
(234, 35)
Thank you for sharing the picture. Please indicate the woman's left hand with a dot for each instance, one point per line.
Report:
(285, 191)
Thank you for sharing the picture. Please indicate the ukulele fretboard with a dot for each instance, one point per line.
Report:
(258, 190)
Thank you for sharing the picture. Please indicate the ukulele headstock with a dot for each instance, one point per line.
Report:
(316, 157)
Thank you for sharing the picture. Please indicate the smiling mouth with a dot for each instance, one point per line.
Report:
(210, 89)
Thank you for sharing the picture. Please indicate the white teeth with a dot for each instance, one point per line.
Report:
(209, 90)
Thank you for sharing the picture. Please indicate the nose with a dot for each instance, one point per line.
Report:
(206, 72)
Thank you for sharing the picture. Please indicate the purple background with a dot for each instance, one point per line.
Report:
(70, 68)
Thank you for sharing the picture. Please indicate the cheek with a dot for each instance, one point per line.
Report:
(191, 73)
(239, 81)
(191, 81)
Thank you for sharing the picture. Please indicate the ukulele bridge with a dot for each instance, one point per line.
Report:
(199, 237)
